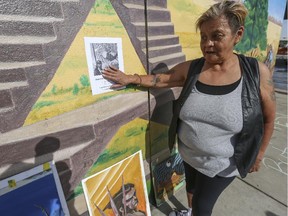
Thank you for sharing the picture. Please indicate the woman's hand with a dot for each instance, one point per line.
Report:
(256, 166)
(118, 77)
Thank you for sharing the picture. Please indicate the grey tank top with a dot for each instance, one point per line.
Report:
(208, 129)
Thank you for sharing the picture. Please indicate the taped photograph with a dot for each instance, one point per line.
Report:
(102, 53)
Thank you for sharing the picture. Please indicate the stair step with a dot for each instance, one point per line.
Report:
(6, 99)
(4, 110)
(163, 50)
(6, 86)
(154, 28)
(161, 40)
(26, 39)
(73, 1)
(26, 28)
(165, 57)
(15, 65)
(32, 8)
(149, 7)
(13, 78)
(17, 18)
(21, 53)
(158, 63)
(159, 3)
(154, 13)
(13, 75)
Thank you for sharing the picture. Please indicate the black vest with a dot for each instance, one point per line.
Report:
(249, 140)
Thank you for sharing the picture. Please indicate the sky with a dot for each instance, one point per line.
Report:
(276, 8)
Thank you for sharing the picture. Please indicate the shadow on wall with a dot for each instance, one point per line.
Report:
(160, 68)
(162, 114)
(268, 213)
(44, 151)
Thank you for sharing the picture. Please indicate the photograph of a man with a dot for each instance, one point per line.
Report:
(98, 68)
(126, 201)
(105, 55)
(102, 53)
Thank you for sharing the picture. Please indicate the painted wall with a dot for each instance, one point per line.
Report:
(47, 110)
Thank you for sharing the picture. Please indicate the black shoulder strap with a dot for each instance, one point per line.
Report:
(251, 68)
(192, 76)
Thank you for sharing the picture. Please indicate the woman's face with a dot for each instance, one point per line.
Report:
(218, 40)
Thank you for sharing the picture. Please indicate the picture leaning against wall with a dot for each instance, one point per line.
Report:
(102, 53)
(119, 189)
(168, 177)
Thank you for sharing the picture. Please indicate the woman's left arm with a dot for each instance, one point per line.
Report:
(268, 108)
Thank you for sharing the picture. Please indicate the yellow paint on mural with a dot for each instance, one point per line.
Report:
(184, 16)
(274, 32)
(65, 92)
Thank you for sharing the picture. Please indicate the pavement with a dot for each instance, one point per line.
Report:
(259, 194)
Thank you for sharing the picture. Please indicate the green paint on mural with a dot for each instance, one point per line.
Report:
(103, 7)
(256, 26)
(41, 104)
(84, 80)
(134, 131)
(107, 24)
(185, 6)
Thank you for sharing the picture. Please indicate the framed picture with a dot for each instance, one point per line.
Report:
(119, 189)
(168, 176)
(34, 192)
(102, 53)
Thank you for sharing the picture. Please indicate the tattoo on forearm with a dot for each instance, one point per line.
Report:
(273, 96)
(157, 77)
(270, 82)
(272, 93)
(155, 80)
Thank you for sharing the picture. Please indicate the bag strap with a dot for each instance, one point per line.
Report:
(192, 77)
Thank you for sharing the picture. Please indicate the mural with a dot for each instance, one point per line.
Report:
(46, 94)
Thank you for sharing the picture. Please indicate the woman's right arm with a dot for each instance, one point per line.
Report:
(174, 77)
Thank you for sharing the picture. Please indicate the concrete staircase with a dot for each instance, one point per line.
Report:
(164, 49)
(34, 37)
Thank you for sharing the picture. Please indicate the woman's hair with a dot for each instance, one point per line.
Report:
(234, 11)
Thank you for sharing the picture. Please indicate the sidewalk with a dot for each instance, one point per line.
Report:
(260, 194)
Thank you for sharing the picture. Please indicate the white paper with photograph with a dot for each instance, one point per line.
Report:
(100, 53)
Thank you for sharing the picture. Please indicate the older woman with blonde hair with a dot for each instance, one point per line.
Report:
(224, 116)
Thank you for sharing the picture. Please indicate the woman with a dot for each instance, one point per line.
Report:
(224, 117)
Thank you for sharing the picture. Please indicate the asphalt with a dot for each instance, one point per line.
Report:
(259, 194)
